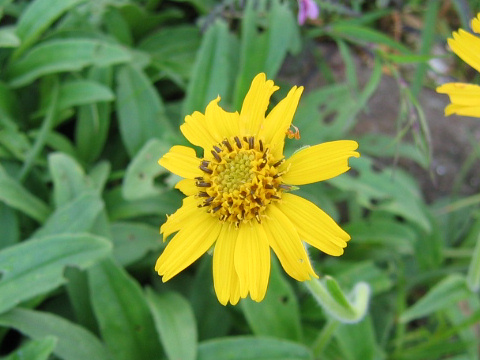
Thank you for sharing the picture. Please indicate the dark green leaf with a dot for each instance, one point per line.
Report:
(62, 55)
(175, 322)
(132, 241)
(120, 307)
(9, 227)
(139, 179)
(16, 196)
(140, 109)
(249, 348)
(213, 71)
(37, 17)
(278, 314)
(76, 216)
(74, 342)
(35, 350)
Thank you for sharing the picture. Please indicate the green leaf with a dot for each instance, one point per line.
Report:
(94, 120)
(119, 208)
(9, 227)
(358, 341)
(62, 55)
(250, 348)
(8, 38)
(140, 109)
(328, 294)
(74, 342)
(80, 92)
(139, 178)
(473, 275)
(380, 190)
(121, 310)
(35, 350)
(132, 241)
(366, 34)
(16, 196)
(76, 216)
(277, 315)
(37, 17)
(69, 180)
(36, 266)
(173, 49)
(175, 322)
(213, 71)
(384, 232)
(446, 293)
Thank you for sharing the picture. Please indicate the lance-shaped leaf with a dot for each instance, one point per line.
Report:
(346, 309)
(252, 348)
(36, 266)
(278, 315)
(35, 350)
(120, 307)
(447, 292)
(61, 55)
(16, 196)
(74, 342)
(139, 179)
(473, 275)
(175, 322)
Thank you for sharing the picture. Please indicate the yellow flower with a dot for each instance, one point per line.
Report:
(465, 98)
(238, 195)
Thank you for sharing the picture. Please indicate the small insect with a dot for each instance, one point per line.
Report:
(295, 133)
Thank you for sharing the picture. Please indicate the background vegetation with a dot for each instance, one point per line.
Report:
(92, 93)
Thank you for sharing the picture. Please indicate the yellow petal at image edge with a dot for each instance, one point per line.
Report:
(475, 24)
(195, 237)
(255, 104)
(314, 226)
(467, 47)
(464, 97)
(225, 279)
(319, 162)
(286, 243)
(252, 260)
(182, 161)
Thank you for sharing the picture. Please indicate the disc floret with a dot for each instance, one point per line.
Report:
(240, 179)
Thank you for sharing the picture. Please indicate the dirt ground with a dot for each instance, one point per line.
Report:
(451, 136)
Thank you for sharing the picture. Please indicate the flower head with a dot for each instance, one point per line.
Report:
(238, 195)
(464, 97)
(307, 9)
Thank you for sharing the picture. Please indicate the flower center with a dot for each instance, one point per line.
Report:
(240, 180)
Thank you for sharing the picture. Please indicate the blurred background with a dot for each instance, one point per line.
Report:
(92, 94)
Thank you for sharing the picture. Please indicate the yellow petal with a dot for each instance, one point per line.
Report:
(187, 187)
(196, 131)
(221, 124)
(473, 111)
(176, 221)
(194, 239)
(225, 279)
(286, 243)
(279, 120)
(464, 97)
(313, 225)
(252, 260)
(181, 160)
(476, 24)
(467, 48)
(255, 104)
(319, 162)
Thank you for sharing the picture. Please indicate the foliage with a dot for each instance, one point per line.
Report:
(92, 94)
